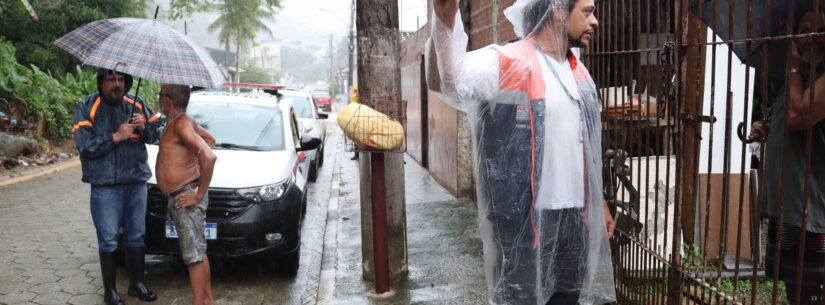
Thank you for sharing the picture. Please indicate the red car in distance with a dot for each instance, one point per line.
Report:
(322, 99)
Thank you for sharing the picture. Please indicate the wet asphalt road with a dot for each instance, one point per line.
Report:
(48, 250)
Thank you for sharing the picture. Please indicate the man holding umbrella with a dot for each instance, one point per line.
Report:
(106, 122)
(110, 131)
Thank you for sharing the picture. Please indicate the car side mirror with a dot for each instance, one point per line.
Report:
(309, 142)
(323, 115)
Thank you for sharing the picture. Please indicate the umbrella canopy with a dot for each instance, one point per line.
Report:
(144, 48)
(736, 28)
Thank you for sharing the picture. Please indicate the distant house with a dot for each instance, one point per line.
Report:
(226, 60)
(223, 58)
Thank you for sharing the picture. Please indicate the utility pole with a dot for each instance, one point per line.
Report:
(351, 49)
(381, 174)
(329, 67)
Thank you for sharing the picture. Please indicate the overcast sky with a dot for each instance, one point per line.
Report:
(300, 21)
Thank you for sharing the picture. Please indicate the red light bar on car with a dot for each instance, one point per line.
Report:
(252, 86)
(271, 89)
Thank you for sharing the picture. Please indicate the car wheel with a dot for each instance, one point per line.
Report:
(287, 263)
(291, 261)
(321, 158)
(303, 207)
(313, 171)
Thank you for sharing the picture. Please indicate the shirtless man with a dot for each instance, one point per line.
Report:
(184, 170)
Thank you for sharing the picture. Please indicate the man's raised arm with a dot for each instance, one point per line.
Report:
(446, 10)
(461, 77)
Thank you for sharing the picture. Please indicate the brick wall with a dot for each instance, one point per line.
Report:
(487, 24)
(448, 132)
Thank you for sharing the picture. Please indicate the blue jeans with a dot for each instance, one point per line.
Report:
(116, 206)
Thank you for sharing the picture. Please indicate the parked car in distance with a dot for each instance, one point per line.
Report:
(322, 99)
(312, 122)
(22, 124)
(5, 121)
(258, 193)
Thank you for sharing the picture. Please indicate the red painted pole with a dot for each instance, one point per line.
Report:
(379, 225)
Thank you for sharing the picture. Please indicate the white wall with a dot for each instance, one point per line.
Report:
(738, 89)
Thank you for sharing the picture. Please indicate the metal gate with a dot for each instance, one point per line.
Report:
(680, 83)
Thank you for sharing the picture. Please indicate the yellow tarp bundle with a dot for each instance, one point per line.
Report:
(367, 127)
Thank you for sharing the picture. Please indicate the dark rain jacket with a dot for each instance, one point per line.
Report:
(105, 162)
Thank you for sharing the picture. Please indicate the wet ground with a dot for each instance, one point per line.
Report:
(48, 250)
(443, 244)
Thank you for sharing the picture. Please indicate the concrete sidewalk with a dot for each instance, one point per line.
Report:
(444, 246)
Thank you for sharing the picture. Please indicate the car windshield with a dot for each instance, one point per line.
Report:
(320, 93)
(301, 104)
(239, 125)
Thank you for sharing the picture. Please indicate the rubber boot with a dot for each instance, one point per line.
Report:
(108, 270)
(136, 263)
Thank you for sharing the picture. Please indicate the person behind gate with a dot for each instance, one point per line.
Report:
(793, 118)
(535, 119)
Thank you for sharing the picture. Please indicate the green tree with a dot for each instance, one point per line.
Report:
(54, 98)
(255, 75)
(183, 8)
(312, 73)
(295, 58)
(239, 23)
(33, 39)
(26, 7)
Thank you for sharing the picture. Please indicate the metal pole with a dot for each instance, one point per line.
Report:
(351, 47)
(329, 71)
(379, 222)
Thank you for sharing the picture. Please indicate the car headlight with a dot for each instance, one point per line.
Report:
(267, 192)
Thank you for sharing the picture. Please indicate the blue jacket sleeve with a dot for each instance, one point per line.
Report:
(151, 133)
(86, 138)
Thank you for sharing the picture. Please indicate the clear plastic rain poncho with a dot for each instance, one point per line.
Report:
(535, 122)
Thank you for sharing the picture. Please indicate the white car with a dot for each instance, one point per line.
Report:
(257, 198)
(312, 122)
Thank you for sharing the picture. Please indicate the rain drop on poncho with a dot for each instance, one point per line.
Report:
(535, 120)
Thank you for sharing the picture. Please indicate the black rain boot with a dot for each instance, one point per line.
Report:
(135, 262)
(108, 270)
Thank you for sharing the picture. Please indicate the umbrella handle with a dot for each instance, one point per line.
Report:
(740, 131)
(134, 105)
(137, 92)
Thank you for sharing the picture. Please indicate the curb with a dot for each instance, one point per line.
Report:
(326, 281)
(59, 168)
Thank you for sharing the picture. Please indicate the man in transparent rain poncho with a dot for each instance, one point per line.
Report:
(536, 135)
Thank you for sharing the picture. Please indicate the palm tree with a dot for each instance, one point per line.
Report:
(240, 22)
(25, 5)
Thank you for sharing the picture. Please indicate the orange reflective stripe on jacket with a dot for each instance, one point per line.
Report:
(81, 123)
(519, 69)
(154, 117)
(94, 109)
(139, 107)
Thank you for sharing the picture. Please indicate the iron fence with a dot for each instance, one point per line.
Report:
(681, 84)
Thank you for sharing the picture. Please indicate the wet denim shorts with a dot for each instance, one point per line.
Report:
(189, 223)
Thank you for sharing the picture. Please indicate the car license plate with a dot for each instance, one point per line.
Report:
(210, 230)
